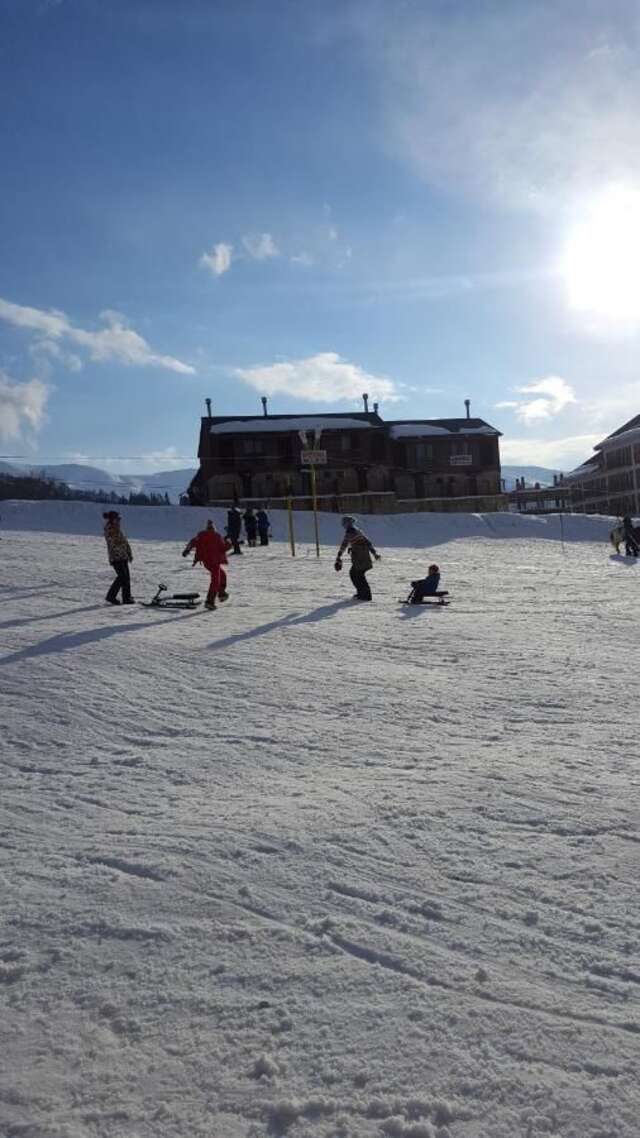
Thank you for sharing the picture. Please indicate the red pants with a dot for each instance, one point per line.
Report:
(218, 582)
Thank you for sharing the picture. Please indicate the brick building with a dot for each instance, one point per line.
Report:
(609, 481)
(257, 457)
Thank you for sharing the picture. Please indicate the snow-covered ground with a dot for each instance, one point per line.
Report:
(308, 868)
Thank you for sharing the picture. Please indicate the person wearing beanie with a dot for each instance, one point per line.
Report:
(211, 549)
(120, 557)
(361, 550)
(426, 587)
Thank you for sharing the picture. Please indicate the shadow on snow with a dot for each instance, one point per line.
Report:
(289, 621)
(67, 641)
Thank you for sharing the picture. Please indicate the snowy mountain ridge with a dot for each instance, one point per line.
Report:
(80, 477)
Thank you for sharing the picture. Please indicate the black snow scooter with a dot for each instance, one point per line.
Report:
(432, 600)
(173, 601)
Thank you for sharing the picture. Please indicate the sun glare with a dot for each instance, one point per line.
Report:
(601, 263)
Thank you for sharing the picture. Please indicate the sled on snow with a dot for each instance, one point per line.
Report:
(435, 600)
(173, 601)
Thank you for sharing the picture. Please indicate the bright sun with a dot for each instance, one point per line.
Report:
(601, 262)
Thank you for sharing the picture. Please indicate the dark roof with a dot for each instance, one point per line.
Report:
(367, 416)
(454, 425)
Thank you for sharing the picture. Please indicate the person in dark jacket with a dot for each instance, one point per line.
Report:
(262, 518)
(631, 541)
(120, 557)
(426, 587)
(250, 527)
(361, 550)
(234, 528)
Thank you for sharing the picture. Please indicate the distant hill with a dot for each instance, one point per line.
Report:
(531, 475)
(175, 482)
(80, 477)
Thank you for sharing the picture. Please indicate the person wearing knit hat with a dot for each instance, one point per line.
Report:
(120, 557)
(361, 550)
(426, 587)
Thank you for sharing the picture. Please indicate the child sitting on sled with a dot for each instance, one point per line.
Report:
(426, 587)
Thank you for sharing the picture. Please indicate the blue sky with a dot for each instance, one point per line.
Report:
(423, 200)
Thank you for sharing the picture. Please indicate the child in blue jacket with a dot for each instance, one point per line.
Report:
(426, 587)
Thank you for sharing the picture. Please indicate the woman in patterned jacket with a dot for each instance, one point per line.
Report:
(120, 556)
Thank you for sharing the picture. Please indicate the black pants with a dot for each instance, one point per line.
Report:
(359, 578)
(419, 592)
(235, 538)
(631, 547)
(122, 581)
(264, 536)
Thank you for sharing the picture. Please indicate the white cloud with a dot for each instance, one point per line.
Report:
(301, 259)
(260, 246)
(557, 454)
(523, 104)
(324, 378)
(49, 349)
(113, 342)
(218, 261)
(21, 405)
(553, 395)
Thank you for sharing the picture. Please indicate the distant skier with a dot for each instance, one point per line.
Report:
(426, 587)
(250, 527)
(630, 537)
(361, 551)
(234, 528)
(120, 557)
(262, 518)
(211, 550)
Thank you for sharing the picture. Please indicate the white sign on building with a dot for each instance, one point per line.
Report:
(461, 459)
(313, 458)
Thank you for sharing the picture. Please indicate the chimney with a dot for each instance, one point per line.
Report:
(467, 404)
(375, 408)
(365, 400)
(208, 403)
(263, 400)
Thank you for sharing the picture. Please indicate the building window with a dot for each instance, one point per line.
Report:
(424, 453)
(487, 453)
(253, 446)
(378, 448)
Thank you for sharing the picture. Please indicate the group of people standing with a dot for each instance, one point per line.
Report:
(210, 550)
(209, 546)
(256, 525)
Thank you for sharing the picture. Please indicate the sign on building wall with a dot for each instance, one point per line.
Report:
(313, 458)
(461, 460)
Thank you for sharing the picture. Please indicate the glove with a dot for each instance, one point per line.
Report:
(377, 556)
(185, 552)
(338, 565)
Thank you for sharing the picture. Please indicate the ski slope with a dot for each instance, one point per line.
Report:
(307, 868)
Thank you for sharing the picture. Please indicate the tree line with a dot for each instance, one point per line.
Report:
(36, 487)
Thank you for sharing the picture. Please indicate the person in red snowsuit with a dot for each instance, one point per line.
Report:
(211, 550)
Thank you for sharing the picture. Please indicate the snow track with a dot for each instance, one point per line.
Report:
(311, 869)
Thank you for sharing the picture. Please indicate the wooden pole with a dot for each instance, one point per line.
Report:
(315, 509)
(292, 542)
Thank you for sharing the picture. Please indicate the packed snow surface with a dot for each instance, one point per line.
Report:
(304, 868)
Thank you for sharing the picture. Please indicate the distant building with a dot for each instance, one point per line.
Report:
(609, 481)
(404, 461)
